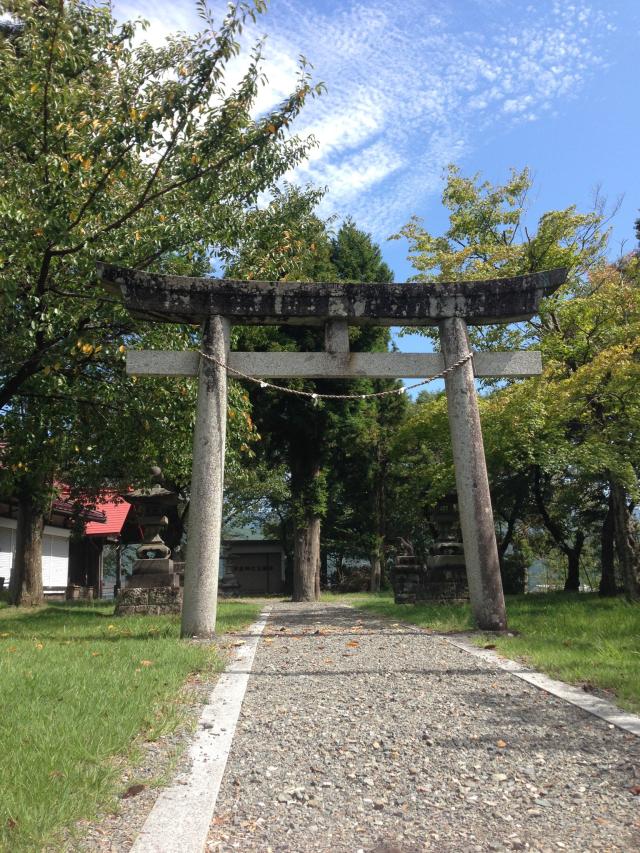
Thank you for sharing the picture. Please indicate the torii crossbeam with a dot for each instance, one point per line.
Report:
(218, 303)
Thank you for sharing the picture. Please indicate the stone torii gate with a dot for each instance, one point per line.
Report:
(218, 303)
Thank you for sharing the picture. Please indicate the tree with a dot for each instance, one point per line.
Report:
(362, 443)
(570, 431)
(356, 257)
(309, 439)
(287, 241)
(116, 151)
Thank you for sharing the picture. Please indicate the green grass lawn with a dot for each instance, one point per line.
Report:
(582, 639)
(78, 688)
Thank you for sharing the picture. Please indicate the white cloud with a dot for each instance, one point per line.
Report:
(410, 85)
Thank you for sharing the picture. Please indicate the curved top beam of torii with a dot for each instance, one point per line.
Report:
(180, 299)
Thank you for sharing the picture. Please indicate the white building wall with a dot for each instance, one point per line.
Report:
(55, 553)
(7, 548)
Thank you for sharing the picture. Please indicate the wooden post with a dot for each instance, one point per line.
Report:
(207, 482)
(472, 483)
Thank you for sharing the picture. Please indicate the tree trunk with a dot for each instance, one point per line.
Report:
(324, 569)
(572, 552)
(572, 583)
(376, 571)
(25, 586)
(379, 519)
(627, 545)
(608, 577)
(306, 491)
(306, 561)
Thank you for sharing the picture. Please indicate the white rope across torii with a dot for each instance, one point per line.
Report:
(316, 396)
(216, 304)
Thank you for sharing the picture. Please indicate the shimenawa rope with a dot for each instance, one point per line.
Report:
(312, 395)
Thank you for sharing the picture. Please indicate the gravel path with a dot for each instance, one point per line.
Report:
(361, 736)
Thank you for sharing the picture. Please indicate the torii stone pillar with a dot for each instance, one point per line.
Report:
(472, 482)
(335, 305)
(199, 606)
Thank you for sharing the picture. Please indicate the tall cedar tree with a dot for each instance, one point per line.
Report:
(295, 431)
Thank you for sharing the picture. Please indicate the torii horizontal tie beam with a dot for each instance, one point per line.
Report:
(180, 299)
(323, 365)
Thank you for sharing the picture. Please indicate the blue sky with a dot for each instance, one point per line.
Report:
(487, 84)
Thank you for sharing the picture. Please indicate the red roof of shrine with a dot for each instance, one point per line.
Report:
(116, 511)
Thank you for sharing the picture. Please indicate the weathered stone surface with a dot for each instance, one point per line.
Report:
(472, 482)
(207, 484)
(324, 365)
(191, 300)
(149, 602)
(157, 581)
(153, 566)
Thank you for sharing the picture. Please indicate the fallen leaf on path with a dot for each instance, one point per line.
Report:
(501, 743)
(635, 790)
(352, 644)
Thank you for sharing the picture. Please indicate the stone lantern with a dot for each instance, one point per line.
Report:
(443, 575)
(154, 586)
(446, 575)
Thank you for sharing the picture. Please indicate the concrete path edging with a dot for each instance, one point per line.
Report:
(180, 819)
(592, 704)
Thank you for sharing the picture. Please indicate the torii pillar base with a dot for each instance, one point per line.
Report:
(472, 482)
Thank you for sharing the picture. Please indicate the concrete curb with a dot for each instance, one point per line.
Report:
(592, 704)
(180, 819)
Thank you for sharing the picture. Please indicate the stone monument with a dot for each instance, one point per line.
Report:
(154, 586)
(443, 575)
(406, 575)
(445, 578)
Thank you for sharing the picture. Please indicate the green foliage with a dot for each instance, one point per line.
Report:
(554, 444)
(333, 455)
(81, 690)
(356, 258)
(487, 234)
(120, 151)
